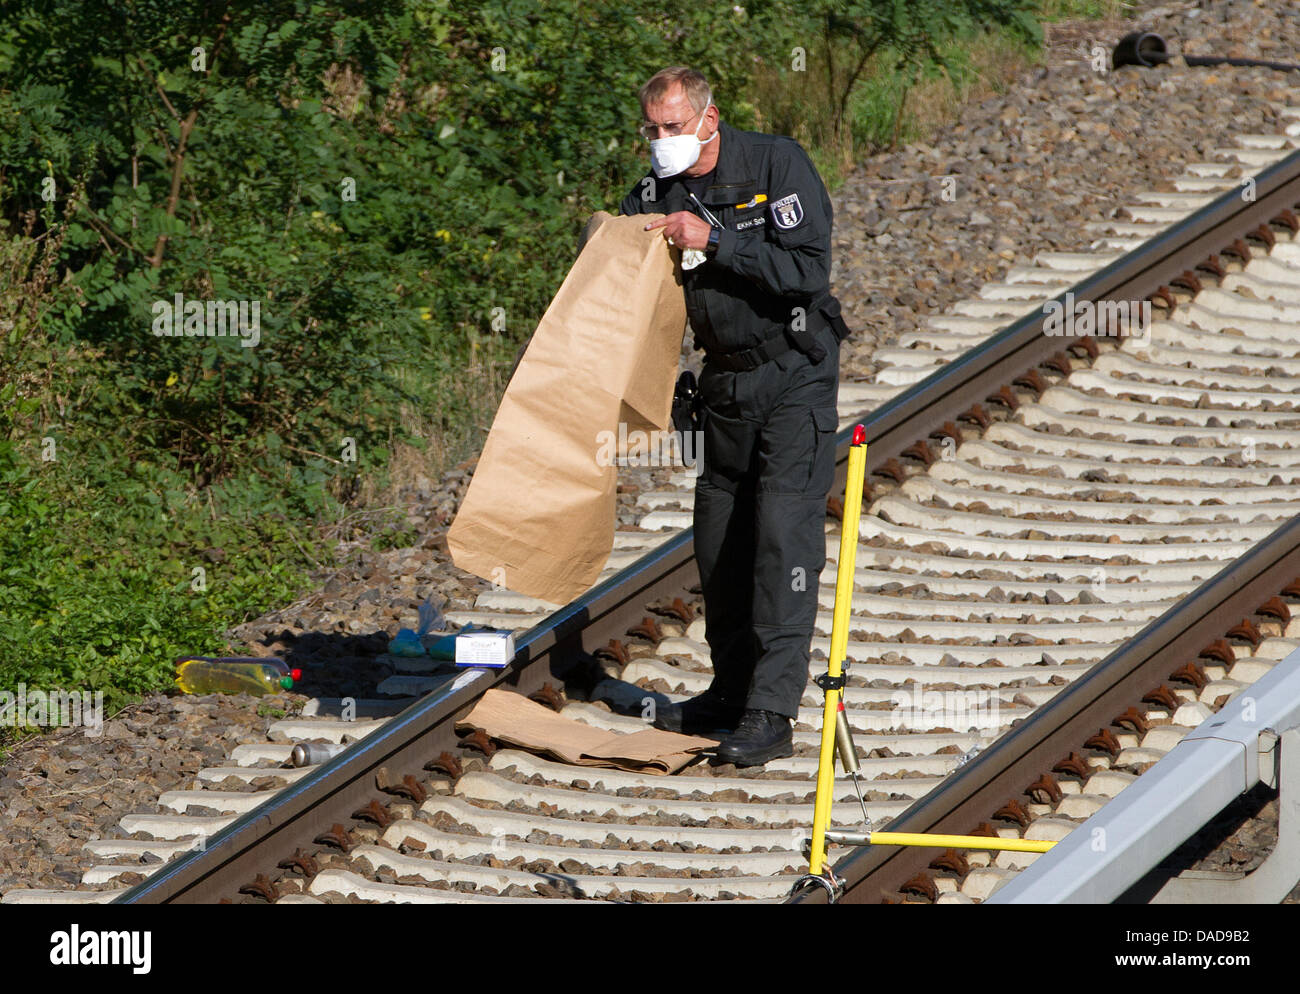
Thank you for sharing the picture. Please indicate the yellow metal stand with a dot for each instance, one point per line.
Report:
(833, 721)
(844, 574)
(850, 838)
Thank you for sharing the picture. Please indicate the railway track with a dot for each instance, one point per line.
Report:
(1036, 505)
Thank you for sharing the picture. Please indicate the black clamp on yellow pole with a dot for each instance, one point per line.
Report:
(828, 682)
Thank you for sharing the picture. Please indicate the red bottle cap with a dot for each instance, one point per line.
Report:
(859, 435)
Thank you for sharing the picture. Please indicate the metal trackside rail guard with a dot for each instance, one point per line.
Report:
(1185, 789)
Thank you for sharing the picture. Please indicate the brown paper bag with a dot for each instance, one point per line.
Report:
(514, 719)
(538, 517)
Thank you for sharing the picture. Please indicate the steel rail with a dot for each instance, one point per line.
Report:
(1222, 225)
(552, 650)
(1224, 757)
(1057, 728)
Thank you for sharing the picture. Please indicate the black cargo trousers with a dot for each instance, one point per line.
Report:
(760, 521)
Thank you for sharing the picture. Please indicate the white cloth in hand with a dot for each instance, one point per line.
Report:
(692, 258)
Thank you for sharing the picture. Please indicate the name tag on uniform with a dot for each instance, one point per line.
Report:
(752, 222)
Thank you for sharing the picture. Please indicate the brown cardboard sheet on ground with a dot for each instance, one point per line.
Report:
(538, 517)
(515, 719)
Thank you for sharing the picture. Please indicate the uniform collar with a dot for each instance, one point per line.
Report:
(732, 167)
(733, 182)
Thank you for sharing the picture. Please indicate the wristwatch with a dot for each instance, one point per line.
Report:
(715, 235)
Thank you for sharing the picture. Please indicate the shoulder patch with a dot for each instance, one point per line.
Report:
(787, 212)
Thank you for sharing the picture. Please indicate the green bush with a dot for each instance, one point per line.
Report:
(398, 187)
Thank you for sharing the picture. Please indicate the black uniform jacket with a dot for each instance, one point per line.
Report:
(774, 252)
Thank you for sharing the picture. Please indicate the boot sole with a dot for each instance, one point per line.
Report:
(779, 751)
(708, 732)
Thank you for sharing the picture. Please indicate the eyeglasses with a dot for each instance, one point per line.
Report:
(650, 131)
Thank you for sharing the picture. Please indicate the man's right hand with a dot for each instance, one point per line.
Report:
(684, 230)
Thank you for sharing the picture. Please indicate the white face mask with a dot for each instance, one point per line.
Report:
(670, 156)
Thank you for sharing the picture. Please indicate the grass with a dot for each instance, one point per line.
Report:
(887, 107)
(98, 562)
(451, 419)
(1084, 10)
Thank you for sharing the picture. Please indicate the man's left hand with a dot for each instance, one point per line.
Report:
(684, 229)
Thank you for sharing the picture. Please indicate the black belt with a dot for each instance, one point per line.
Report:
(747, 359)
(786, 340)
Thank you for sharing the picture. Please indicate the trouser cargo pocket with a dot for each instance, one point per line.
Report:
(826, 422)
(729, 448)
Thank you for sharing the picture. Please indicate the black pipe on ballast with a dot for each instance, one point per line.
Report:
(1146, 49)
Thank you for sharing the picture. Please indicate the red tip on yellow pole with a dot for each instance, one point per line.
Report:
(839, 645)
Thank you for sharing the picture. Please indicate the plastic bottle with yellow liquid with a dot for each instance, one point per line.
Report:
(200, 675)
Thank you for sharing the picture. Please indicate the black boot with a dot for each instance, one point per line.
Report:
(760, 736)
(698, 716)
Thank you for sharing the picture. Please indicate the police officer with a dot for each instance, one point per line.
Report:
(753, 220)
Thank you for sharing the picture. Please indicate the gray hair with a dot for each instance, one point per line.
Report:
(697, 88)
